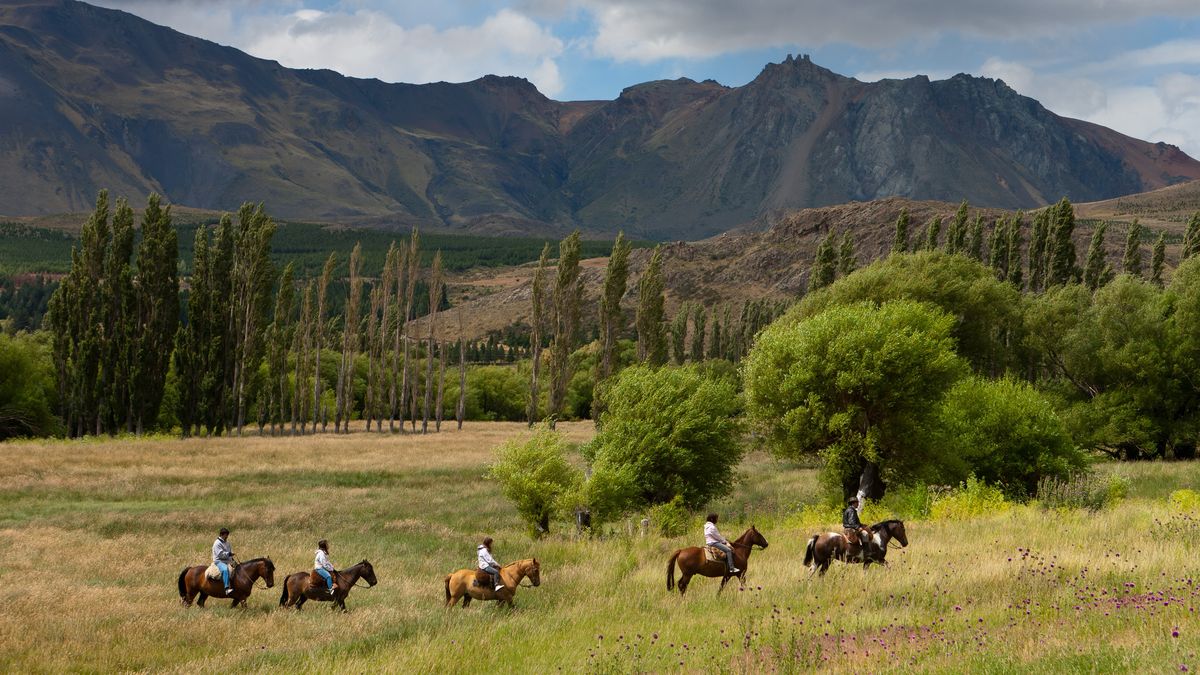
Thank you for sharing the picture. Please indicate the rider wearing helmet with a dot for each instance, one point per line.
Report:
(487, 563)
(222, 555)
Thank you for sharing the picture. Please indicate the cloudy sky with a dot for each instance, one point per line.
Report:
(1133, 65)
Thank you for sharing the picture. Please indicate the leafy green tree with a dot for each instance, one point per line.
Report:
(1131, 262)
(534, 474)
(716, 348)
(157, 299)
(956, 237)
(27, 390)
(1061, 266)
(1191, 237)
(987, 311)
(670, 431)
(567, 300)
(825, 266)
(1037, 250)
(678, 333)
(1013, 247)
(900, 240)
(847, 262)
(857, 385)
(651, 328)
(699, 331)
(536, 321)
(279, 335)
(612, 320)
(1005, 433)
(1094, 269)
(998, 248)
(975, 239)
(1158, 260)
(933, 233)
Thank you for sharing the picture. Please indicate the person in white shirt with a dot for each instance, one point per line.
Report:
(487, 563)
(222, 554)
(712, 537)
(322, 564)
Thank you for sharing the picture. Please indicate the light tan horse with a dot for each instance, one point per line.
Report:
(477, 584)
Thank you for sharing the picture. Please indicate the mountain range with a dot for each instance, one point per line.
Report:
(93, 98)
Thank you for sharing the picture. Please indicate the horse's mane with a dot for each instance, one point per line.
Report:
(256, 560)
(518, 562)
(884, 523)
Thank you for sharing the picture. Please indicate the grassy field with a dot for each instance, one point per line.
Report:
(95, 532)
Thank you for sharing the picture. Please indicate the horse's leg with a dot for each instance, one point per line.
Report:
(683, 583)
(300, 602)
(200, 600)
(466, 600)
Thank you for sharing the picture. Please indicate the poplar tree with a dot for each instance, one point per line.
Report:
(157, 290)
(410, 287)
(847, 262)
(975, 239)
(933, 233)
(119, 307)
(302, 342)
(399, 321)
(715, 346)
(998, 248)
(279, 338)
(1013, 246)
(900, 240)
(1093, 269)
(344, 396)
(825, 266)
(1037, 250)
(537, 323)
(374, 372)
(678, 333)
(1191, 238)
(460, 410)
(957, 234)
(568, 296)
(1061, 250)
(319, 332)
(1131, 261)
(435, 298)
(250, 299)
(189, 339)
(1159, 260)
(616, 278)
(699, 331)
(652, 340)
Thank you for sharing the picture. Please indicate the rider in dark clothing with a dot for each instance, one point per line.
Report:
(853, 526)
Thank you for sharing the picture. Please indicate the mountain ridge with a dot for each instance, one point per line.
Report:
(93, 98)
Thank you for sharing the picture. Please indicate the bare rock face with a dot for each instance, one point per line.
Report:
(93, 98)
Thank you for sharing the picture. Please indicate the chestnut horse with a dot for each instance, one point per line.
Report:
(242, 578)
(461, 584)
(298, 587)
(692, 561)
(823, 549)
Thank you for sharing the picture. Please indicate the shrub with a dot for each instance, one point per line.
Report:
(910, 502)
(671, 431)
(671, 519)
(971, 499)
(1185, 501)
(1082, 491)
(27, 388)
(534, 474)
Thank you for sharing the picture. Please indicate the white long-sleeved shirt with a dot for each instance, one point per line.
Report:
(222, 552)
(485, 558)
(321, 561)
(712, 535)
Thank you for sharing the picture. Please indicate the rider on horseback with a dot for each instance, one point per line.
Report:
(487, 563)
(322, 566)
(713, 538)
(223, 557)
(854, 527)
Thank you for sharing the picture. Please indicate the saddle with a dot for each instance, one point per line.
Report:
(213, 572)
(714, 554)
(315, 580)
(482, 580)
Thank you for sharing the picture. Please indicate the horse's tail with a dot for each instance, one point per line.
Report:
(283, 598)
(810, 553)
(671, 570)
(447, 582)
(182, 583)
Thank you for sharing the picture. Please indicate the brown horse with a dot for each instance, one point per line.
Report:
(463, 583)
(823, 549)
(298, 587)
(692, 562)
(242, 578)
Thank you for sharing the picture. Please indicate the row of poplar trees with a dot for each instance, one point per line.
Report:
(117, 334)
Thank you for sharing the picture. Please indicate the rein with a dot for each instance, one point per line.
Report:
(342, 575)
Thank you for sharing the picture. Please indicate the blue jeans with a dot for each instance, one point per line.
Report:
(728, 554)
(326, 576)
(495, 572)
(224, 572)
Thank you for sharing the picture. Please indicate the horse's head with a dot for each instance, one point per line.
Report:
(267, 571)
(756, 538)
(368, 572)
(533, 569)
(897, 530)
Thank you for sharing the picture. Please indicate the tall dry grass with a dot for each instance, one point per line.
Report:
(95, 533)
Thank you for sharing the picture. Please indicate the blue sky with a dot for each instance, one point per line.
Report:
(1133, 65)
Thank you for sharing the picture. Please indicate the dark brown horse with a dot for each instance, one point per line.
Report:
(298, 587)
(823, 549)
(242, 578)
(692, 561)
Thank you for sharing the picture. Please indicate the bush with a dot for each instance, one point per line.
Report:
(971, 499)
(1005, 433)
(1082, 491)
(670, 431)
(1185, 501)
(27, 388)
(494, 393)
(671, 519)
(910, 502)
(534, 474)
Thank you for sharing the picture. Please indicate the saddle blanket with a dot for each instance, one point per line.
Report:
(213, 572)
(713, 554)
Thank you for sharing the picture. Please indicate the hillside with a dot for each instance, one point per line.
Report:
(93, 98)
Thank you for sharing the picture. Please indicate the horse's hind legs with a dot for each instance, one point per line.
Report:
(466, 601)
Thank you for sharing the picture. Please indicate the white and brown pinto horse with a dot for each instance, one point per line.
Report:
(823, 549)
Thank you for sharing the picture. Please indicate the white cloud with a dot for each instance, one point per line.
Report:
(365, 42)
